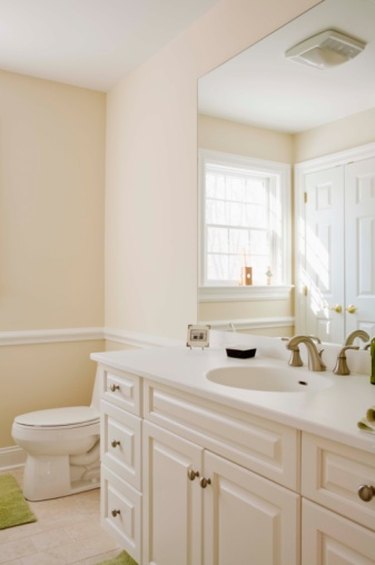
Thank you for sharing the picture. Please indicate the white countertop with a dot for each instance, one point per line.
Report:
(332, 413)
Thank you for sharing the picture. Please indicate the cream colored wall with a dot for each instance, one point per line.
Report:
(355, 130)
(51, 239)
(51, 207)
(151, 185)
(241, 139)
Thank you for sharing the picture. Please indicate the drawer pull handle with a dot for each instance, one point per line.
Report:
(114, 388)
(115, 443)
(115, 513)
(366, 492)
(192, 474)
(204, 482)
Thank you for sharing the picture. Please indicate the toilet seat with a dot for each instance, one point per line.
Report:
(56, 418)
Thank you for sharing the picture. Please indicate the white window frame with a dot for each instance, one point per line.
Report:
(222, 292)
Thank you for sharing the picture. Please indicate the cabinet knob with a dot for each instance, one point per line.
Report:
(192, 474)
(336, 308)
(115, 443)
(113, 387)
(115, 513)
(204, 482)
(351, 309)
(366, 492)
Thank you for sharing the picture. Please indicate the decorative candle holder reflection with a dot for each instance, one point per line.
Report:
(246, 276)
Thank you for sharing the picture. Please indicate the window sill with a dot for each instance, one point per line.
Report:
(243, 293)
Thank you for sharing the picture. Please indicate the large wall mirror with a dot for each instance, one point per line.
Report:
(286, 137)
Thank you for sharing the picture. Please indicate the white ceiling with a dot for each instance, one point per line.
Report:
(89, 43)
(263, 88)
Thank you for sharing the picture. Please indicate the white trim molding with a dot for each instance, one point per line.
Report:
(251, 323)
(138, 339)
(11, 457)
(29, 337)
(335, 159)
(25, 337)
(243, 293)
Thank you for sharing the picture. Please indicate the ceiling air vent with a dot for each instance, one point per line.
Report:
(326, 49)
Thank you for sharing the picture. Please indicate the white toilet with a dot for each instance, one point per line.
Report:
(62, 447)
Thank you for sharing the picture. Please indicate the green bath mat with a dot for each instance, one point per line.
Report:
(122, 559)
(14, 509)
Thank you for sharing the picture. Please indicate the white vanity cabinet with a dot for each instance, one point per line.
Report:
(190, 481)
(337, 525)
(214, 509)
(202, 508)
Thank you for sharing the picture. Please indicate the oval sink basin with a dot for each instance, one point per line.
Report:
(269, 379)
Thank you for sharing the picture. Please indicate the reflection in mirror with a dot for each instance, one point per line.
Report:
(287, 179)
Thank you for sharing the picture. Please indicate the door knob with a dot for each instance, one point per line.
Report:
(351, 309)
(204, 482)
(115, 443)
(114, 387)
(337, 308)
(115, 513)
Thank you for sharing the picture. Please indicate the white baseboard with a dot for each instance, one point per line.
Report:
(11, 457)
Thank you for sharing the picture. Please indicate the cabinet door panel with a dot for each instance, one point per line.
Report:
(359, 244)
(330, 539)
(247, 519)
(172, 502)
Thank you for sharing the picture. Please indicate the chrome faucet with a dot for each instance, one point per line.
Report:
(341, 367)
(356, 333)
(315, 362)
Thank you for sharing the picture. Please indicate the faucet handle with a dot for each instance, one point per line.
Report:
(295, 358)
(341, 367)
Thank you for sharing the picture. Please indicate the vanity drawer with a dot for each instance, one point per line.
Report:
(121, 443)
(332, 474)
(121, 508)
(258, 444)
(329, 539)
(122, 389)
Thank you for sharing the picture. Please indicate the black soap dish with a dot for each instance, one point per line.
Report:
(240, 352)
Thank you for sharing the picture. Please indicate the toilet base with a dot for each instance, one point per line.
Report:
(47, 477)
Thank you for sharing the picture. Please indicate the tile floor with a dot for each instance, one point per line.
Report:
(67, 531)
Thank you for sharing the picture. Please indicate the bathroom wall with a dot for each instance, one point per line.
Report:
(242, 139)
(353, 131)
(151, 184)
(51, 240)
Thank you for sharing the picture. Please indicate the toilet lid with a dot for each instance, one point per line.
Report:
(69, 416)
